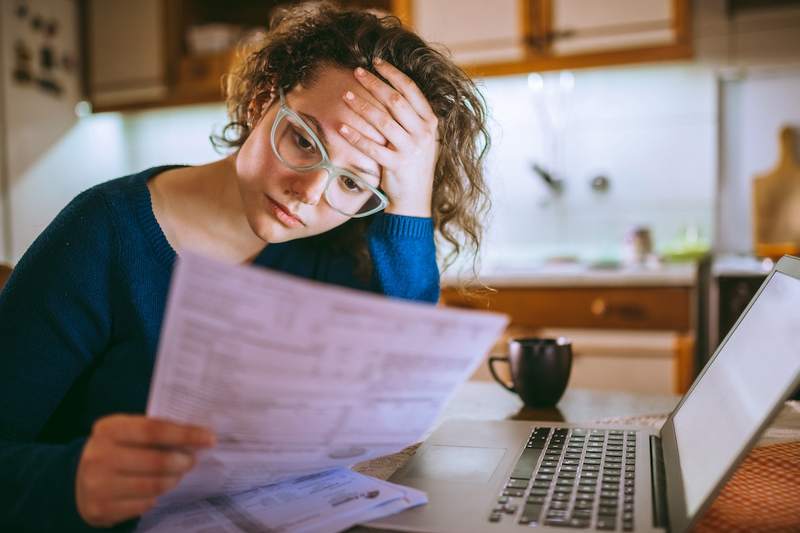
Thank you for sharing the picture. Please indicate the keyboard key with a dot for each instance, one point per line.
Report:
(526, 519)
(606, 524)
(514, 493)
(517, 484)
(556, 522)
(526, 464)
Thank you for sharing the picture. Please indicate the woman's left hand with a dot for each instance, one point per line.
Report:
(410, 126)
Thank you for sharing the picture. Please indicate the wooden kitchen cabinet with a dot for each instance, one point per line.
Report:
(645, 308)
(639, 339)
(138, 53)
(125, 53)
(520, 36)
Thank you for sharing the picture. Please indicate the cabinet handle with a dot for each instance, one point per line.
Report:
(598, 307)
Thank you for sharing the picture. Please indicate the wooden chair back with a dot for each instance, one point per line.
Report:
(5, 273)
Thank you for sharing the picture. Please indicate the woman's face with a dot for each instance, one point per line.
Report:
(282, 204)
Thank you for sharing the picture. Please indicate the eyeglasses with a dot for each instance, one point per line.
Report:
(297, 146)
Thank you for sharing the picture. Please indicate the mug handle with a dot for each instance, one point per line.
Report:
(503, 359)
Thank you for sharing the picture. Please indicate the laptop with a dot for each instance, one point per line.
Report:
(513, 476)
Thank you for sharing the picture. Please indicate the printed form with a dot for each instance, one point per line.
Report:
(334, 500)
(298, 377)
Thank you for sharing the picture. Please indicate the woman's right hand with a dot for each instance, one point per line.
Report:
(128, 461)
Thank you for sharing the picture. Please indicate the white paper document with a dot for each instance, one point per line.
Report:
(319, 503)
(297, 377)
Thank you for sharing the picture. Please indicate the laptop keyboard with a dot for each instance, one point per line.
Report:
(585, 479)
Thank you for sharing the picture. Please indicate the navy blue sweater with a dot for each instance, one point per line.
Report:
(80, 319)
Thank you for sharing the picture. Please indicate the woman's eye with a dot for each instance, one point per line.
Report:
(303, 143)
(350, 184)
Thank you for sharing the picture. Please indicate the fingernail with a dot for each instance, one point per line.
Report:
(360, 71)
(377, 61)
(184, 462)
(349, 96)
(344, 130)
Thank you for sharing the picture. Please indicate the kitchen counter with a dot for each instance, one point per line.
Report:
(740, 266)
(582, 275)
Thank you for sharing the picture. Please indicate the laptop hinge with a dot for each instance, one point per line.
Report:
(659, 480)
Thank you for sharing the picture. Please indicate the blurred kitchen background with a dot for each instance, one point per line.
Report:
(626, 138)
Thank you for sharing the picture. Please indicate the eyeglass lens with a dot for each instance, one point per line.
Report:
(299, 150)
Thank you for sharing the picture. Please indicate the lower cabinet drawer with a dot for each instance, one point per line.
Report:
(666, 308)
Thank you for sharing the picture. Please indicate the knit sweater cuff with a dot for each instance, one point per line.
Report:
(402, 226)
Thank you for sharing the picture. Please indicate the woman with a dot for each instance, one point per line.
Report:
(353, 141)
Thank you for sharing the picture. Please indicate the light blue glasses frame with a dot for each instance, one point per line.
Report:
(325, 161)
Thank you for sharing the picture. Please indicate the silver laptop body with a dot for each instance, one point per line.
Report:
(466, 467)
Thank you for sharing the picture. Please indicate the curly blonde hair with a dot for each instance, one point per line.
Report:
(304, 38)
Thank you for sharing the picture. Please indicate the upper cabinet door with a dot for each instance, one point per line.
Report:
(579, 26)
(126, 52)
(474, 31)
(516, 36)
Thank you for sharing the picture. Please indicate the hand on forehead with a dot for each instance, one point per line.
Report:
(322, 99)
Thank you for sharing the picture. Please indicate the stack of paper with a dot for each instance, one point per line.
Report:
(318, 503)
(299, 378)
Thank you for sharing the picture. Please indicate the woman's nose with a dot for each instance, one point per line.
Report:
(310, 186)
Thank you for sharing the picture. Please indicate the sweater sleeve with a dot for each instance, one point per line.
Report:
(54, 318)
(404, 257)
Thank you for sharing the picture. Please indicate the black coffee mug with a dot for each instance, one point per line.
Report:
(539, 369)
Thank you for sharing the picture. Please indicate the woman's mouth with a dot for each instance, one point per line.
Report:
(282, 213)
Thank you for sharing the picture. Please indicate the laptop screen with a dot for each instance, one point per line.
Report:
(750, 373)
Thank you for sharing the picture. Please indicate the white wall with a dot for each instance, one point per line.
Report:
(101, 147)
(651, 130)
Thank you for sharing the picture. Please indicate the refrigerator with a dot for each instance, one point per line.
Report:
(39, 91)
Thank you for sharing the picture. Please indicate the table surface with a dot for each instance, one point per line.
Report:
(483, 400)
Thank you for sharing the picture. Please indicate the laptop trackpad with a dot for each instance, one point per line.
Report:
(460, 464)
